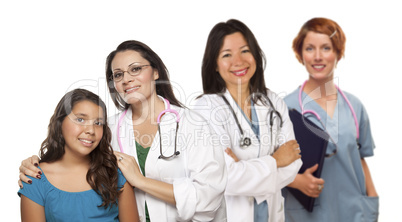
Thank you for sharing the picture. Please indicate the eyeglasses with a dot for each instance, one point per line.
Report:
(133, 70)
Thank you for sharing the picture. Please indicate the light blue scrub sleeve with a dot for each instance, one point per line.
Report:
(366, 139)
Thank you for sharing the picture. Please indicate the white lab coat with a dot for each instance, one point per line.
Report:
(255, 176)
(198, 174)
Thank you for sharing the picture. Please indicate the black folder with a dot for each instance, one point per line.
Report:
(313, 143)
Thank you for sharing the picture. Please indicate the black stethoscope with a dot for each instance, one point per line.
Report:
(246, 141)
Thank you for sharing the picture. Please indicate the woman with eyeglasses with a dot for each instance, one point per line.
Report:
(346, 191)
(165, 151)
(251, 122)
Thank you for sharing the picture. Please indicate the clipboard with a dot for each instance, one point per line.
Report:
(313, 143)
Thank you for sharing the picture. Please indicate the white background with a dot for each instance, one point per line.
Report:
(50, 47)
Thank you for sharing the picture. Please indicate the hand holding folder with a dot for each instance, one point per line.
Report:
(313, 143)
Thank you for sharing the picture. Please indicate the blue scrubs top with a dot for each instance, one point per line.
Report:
(260, 210)
(344, 195)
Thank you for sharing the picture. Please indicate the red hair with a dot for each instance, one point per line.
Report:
(323, 26)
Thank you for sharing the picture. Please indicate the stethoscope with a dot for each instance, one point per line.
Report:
(319, 118)
(246, 141)
(158, 120)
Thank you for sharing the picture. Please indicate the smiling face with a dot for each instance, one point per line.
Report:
(319, 56)
(236, 64)
(82, 129)
(134, 88)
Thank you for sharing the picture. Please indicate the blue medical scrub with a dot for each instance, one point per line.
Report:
(260, 210)
(344, 195)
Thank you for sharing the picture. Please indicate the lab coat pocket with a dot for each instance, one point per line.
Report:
(370, 208)
(171, 168)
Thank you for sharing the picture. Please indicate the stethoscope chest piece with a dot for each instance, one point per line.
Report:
(245, 142)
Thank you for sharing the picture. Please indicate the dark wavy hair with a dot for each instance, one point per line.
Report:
(102, 174)
(163, 86)
(212, 82)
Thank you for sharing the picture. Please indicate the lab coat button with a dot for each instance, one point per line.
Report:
(141, 218)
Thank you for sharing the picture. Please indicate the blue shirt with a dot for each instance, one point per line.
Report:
(344, 195)
(260, 210)
(254, 119)
(70, 206)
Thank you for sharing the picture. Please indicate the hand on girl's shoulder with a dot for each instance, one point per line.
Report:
(48, 168)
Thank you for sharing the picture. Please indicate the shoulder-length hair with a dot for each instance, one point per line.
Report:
(322, 26)
(212, 82)
(163, 85)
(102, 175)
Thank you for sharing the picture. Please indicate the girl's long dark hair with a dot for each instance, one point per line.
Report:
(163, 86)
(212, 82)
(102, 175)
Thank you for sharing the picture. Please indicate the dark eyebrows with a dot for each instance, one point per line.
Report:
(80, 115)
(134, 64)
(118, 69)
(85, 115)
(228, 50)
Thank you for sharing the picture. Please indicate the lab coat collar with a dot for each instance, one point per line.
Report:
(129, 114)
(248, 131)
(262, 111)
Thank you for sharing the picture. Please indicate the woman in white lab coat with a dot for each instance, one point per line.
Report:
(239, 107)
(177, 173)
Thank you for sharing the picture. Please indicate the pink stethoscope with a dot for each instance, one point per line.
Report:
(158, 120)
(303, 111)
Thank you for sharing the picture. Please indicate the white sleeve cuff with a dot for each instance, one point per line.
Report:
(186, 198)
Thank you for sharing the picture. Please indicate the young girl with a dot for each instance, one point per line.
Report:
(166, 154)
(80, 180)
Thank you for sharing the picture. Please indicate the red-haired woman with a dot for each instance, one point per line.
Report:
(346, 191)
